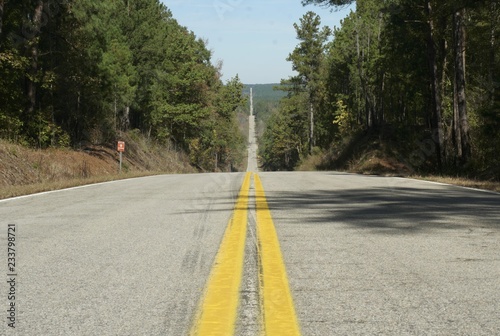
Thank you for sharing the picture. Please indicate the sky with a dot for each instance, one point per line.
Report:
(252, 38)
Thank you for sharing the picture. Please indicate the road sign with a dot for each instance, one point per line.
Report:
(121, 146)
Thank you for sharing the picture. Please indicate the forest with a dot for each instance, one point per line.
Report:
(76, 72)
(417, 78)
(266, 99)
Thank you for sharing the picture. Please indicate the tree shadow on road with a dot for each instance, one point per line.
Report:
(389, 210)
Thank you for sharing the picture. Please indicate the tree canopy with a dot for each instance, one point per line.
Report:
(327, 2)
(423, 71)
(81, 71)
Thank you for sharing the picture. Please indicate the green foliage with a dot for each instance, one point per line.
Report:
(284, 141)
(264, 92)
(396, 65)
(290, 131)
(277, 149)
(328, 2)
(220, 145)
(50, 134)
(11, 100)
(96, 68)
(306, 58)
(266, 99)
(344, 119)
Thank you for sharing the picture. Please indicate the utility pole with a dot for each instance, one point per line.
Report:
(251, 101)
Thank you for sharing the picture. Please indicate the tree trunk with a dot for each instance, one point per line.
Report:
(491, 70)
(126, 118)
(116, 114)
(360, 74)
(1, 15)
(456, 134)
(311, 128)
(380, 100)
(461, 124)
(436, 119)
(32, 72)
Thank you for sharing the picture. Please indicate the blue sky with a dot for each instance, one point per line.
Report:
(252, 37)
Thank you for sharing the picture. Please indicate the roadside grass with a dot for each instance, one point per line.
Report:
(243, 125)
(376, 162)
(379, 153)
(28, 189)
(463, 182)
(311, 163)
(26, 170)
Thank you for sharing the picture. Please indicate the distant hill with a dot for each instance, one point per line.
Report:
(264, 92)
(266, 101)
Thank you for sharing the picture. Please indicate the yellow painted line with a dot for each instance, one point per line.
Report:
(219, 307)
(278, 309)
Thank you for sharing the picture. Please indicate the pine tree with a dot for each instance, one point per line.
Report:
(306, 60)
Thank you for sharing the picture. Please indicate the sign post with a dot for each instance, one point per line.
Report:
(121, 149)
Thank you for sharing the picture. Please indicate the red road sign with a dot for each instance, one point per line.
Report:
(121, 146)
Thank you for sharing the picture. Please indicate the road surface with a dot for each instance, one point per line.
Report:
(252, 165)
(363, 255)
(123, 258)
(388, 256)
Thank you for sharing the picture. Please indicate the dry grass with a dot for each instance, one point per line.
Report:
(379, 164)
(28, 189)
(376, 162)
(311, 163)
(463, 182)
(25, 170)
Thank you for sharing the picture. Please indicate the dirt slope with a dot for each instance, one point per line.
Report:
(25, 170)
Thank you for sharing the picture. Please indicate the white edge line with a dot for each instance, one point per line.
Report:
(451, 185)
(426, 181)
(92, 185)
(77, 187)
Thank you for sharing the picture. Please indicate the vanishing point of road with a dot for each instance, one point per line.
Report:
(299, 253)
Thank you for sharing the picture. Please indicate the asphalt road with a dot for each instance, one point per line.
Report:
(252, 165)
(364, 255)
(388, 256)
(122, 258)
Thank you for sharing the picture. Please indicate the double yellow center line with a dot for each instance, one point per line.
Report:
(218, 310)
